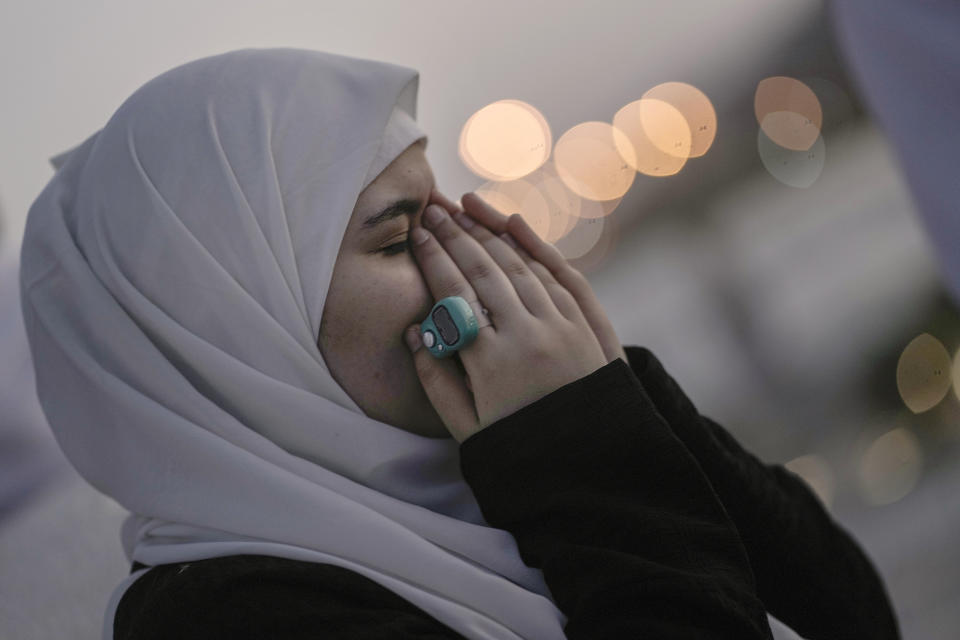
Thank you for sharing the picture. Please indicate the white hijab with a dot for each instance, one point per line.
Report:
(173, 276)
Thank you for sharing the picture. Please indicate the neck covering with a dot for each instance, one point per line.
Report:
(173, 277)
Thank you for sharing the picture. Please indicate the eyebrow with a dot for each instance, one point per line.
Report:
(398, 208)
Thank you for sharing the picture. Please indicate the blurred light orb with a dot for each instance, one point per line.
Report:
(563, 205)
(890, 467)
(656, 138)
(602, 249)
(696, 109)
(587, 157)
(815, 472)
(505, 140)
(789, 112)
(798, 169)
(956, 374)
(518, 196)
(598, 208)
(924, 373)
(580, 240)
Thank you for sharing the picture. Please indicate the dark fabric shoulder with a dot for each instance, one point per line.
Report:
(811, 574)
(264, 597)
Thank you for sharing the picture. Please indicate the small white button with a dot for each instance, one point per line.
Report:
(428, 338)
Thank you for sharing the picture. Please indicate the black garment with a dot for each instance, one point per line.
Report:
(620, 511)
(810, 573)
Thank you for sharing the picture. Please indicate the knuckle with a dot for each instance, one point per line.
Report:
(448, 289)
(477, 271)
(516, 268)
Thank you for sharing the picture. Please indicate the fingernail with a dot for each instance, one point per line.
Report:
(419, 235)
(505, 236)
(463, 220)
(433, 215)
(412, 336)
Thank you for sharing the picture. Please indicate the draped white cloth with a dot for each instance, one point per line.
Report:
(905, 56)
(173, 277)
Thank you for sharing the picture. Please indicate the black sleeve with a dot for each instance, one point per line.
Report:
(604, 499)
(810, 573)
(267, 598)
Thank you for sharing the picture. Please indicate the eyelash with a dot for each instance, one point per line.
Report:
(390, 251)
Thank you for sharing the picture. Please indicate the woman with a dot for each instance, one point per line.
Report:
(217, 286)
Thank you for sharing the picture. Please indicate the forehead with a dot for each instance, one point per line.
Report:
(409, 170)
(409, 176)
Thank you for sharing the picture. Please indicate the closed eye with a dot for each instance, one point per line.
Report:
(396, 248)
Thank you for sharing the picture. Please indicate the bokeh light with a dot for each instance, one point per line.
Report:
(563, 205)
(798, 169)
(923, 373)
(505, 140)
(547, 205)
(598, 208)
(956, 374)
(696, 109)
(656, 138)
(815, 472)
(601, 250)
(890, 467)
(583, 237)
(588, 159)
(789, 112)
(518, 196)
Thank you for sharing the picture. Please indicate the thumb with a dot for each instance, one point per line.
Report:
(445, 387)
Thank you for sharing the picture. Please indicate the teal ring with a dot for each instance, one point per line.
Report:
(450, 326)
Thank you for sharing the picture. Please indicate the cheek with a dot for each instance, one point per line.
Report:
(407, 278)
(372, 311)
(400, 296)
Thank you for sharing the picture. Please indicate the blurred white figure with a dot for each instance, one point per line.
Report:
(905, 56)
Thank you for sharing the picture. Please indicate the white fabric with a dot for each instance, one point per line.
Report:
(173, 277)
(400, 133)
(905, 56)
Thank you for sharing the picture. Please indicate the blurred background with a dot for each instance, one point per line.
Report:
(712, 167)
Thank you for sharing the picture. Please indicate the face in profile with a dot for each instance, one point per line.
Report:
(376, 292)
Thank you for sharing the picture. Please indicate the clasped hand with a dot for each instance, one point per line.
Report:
(548, 328)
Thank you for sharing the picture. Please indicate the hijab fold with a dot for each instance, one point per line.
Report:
(173, 277)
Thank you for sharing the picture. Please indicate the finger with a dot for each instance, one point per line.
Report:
(480, 211)
(562, 299)
(540, 270)
(528, 286)
(453, 263)
(445, 387)
(441, 273)
(572, 280)
(438, 198)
